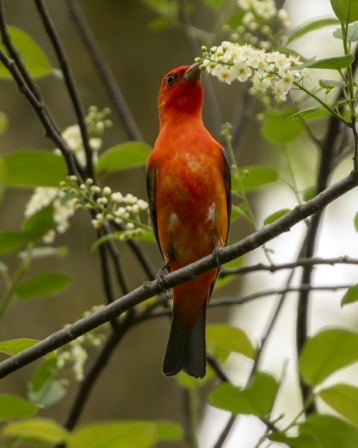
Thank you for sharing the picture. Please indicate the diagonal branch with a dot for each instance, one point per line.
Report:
(278, 267)
(40, 111)
(69, 80)
(189, 272)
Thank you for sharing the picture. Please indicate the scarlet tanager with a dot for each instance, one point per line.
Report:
(188, 185)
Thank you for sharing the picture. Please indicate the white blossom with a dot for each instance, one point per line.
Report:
(265, 70)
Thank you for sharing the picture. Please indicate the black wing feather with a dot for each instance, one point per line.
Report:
(151, 178)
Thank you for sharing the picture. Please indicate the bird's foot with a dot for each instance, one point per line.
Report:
(160, 278)
(216, 255)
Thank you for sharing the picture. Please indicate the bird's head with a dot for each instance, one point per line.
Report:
(181, 93)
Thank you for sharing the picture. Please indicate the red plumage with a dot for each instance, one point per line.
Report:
(188, 183)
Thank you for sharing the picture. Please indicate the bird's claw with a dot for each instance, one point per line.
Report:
(216, 255)
(160, 278)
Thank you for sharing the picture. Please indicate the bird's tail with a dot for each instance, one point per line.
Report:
(186, 349)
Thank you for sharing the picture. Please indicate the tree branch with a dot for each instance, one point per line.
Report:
(278, 267)
(70, 83)
(189, 272)
(41, 112)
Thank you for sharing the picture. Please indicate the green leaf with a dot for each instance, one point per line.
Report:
(124, 156)
(356, 222)
(277, 127)
(254, 176)
(311, 26)
(138, 434)
(34, 168)
(44, 388)
(350, 296)
(237, 212)
(43, 285)
(330, 84)
(33, 229)
(326, 352)
(46, 251)
(343, 398)
(39, 223)
(4, 122)
(12, 240)
(309, 193)
(38, 430)
(51, 392)
(345, 10)
(14, 346)
(321, 431)
(214, 4)
(352, 33)
(43, 373)
(302, 113)
(222, 339)
(337, 63)
(236, 19)
(256, 399)
(15, 407)
(276, 215)
(34, 58)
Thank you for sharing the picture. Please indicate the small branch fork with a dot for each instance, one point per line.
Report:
(189, 272)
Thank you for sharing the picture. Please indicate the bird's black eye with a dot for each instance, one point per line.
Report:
(170, 79)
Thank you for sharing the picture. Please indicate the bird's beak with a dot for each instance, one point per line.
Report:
(193, 72)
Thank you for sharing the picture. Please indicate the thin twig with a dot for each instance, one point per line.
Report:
(103, 70)
(298, 263)
(226, 431)
(142, 257)
(189, 413)
(272, 292)
(70, 83)
(182, 275)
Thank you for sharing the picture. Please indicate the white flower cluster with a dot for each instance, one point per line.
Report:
(76, 353)
(111, 206)
(272, 70)
(72, 137)
(263, 8)
(96, 122)
(62, 210)
(43, 196)
(120, 208)
(262, 24)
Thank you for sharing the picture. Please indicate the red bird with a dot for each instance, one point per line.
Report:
(189, 192)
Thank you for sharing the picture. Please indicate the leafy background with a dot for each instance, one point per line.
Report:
(133, 386)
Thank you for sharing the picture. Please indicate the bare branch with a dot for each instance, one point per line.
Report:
(278, 267)
(189, 272)
(69, 80)
(41, 112)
